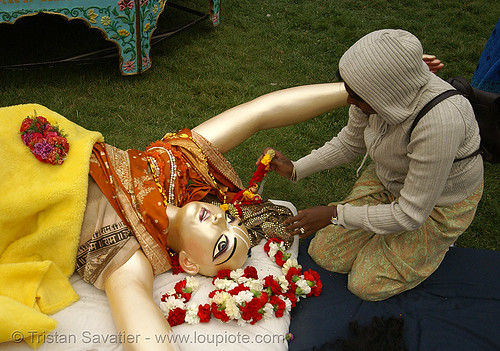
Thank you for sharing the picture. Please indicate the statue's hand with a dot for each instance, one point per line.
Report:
(432, 62)
(279, 164)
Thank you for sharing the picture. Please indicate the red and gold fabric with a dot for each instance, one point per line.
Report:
(180, 168)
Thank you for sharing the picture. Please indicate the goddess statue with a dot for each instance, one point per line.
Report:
(131, 191)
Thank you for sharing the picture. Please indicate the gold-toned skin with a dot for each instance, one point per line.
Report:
(277, 109)
(129, 288)
(207, 239)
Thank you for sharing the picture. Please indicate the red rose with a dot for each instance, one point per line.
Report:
(251, 311)
(269, 282)
(48, 129)
(291, 296)
(224, 274)
(26, 124)
(41, 120)
(317, 286)
(250, 272)
(176, 316)
(219, 314)
(179, 286)
(266, 246)
(280, 260)
(50, 134)
(185, 296)
(36, 138)
(204, 312)
(278, 305)
(293, 274)
(263, 298)
(174, 261)
(237, 289)
(293, 288)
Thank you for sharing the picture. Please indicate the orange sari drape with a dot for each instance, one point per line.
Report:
(128, 181)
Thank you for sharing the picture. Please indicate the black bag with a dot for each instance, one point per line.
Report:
(486, 107)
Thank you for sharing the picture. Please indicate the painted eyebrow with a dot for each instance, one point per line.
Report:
(233, 217)
(232, 253)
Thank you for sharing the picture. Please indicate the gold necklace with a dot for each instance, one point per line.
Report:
(205, 159)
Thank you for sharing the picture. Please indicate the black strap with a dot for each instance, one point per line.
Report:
(463, 86)
(431, 104)
(444, 95)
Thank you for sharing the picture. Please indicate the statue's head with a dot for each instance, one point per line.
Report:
(210, 239)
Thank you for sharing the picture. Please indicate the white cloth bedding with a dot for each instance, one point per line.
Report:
(88, 324)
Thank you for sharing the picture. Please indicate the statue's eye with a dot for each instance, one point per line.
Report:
(220, 246)
(229, 217)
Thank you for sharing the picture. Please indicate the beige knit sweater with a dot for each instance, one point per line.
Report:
(385, 68)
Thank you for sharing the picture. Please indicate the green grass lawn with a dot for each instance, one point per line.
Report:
(259, 47)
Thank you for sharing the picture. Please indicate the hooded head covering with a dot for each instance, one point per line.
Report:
(385, 68)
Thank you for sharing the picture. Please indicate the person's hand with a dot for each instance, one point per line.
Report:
(432, 62)
(279, 164)
(310, 220)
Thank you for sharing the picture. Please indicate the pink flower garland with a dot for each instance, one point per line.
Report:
(241, 296)
(45, 141)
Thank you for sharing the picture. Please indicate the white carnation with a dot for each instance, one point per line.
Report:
(220, 297)
(283, 283)
(273, 249)
(237, 274)
(291, 262)
(243, 296)
(192, 315)
(302, 283)
(268, 311)
(170, 303)
(192, 283)
(288, 304)
(255, 284)
(224, 284)
(232, 310)
(171, 292)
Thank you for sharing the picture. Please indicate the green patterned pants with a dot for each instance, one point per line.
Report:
(381, 266)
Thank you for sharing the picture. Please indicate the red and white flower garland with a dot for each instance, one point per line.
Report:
(241, 296)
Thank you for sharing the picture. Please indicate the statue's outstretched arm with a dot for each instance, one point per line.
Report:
(277, 109)
(137, 318)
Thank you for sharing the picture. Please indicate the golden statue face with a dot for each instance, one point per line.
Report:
(212, 239)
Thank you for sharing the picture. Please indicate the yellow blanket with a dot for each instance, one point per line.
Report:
(41, 212)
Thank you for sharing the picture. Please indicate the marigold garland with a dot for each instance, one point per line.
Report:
(45, 141)
(249, 195)
(241, 296)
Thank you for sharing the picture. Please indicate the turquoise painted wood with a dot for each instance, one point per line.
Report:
(127, 23)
